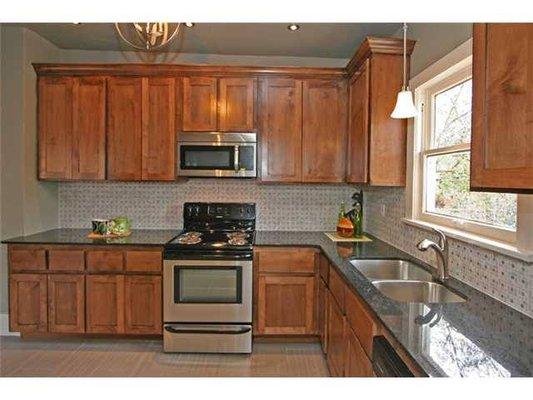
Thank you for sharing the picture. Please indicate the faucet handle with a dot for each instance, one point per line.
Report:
(443, 240)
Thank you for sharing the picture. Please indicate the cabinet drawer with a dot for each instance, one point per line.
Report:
(105, 260)
(360, 321)
(22, 258)
(336, 286)
(357, 363)
(286, 260)
(66, 260)
(323, 268)
(145, 261)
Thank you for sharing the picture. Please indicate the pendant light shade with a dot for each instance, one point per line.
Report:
(405, 108)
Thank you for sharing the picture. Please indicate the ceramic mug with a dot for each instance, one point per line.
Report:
(101, 226)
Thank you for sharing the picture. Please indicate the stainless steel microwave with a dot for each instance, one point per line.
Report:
(217, 154)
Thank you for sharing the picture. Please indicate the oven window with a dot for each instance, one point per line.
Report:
(207, 285)
(207, 157)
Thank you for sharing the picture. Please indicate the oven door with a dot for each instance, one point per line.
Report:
(208, 291)
(217, 159)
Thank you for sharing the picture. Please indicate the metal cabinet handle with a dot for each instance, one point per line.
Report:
(208, 331)
(236, 159)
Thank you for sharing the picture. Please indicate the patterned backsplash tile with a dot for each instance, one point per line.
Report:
(160, 205)
(504, 278)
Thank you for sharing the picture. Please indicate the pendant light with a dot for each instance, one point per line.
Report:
(405, 108)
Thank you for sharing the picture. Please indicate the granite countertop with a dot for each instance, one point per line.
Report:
(480, 337)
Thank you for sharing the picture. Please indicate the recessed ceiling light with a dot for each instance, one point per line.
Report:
(189, 24)
(293, 27)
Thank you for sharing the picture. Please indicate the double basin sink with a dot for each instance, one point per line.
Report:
(405, 282)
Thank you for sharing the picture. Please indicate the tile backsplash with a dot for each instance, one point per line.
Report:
(504, 278)
(160, 205)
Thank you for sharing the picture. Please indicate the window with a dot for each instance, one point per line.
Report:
(442, 162)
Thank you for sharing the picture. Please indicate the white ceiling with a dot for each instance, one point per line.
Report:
(328, 40)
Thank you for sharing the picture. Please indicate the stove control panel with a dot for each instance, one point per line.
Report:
(227, 211)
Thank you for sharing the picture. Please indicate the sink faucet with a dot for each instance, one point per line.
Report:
(441, 251)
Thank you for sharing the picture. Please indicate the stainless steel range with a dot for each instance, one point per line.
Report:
(207, 277)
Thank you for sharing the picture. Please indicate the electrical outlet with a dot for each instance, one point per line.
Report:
(383, 210)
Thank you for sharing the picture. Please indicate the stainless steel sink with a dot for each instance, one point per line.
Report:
(417, 291)
(391, 270)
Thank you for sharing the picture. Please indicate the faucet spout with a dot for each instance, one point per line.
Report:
(441, 252)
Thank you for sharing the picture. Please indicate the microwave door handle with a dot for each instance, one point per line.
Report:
(236, 159)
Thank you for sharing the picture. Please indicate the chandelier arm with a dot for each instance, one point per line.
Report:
(149, 47)
(126, 40)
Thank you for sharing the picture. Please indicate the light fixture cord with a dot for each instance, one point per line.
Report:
(404, 55)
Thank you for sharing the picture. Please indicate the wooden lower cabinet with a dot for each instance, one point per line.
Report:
(142, 304)
(105, 304)
(66, 303)
(336, 340)
(322, 315)
(356, 363)
(286, 305)
(27, 303)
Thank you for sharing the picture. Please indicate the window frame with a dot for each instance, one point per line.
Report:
(451, 74)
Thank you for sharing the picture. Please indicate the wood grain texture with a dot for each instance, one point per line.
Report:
(27, 303)
(66, 303)
(337, 288)
(199, 104)
(26, 258)
(324, 131)
(357, 364)
(323, 268)
(360, 321)
(285, 260)
(88, 128)
(143, 261)
(55, 127)
(322, 318)
(502, 132)
(286, 305)
(236, 104)
(358, 126)
(336, 339)
(105, 304)
(124, 129)
(158, 129)
(105, 261)
(280, 120)
(143, 305)
(66, 260)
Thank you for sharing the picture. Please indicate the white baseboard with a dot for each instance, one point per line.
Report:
(4, 326)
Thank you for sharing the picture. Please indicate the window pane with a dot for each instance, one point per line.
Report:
(453, 109)
(447, 193)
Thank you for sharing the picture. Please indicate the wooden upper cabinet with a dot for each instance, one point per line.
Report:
(199, 104)
(55, 127)
(158, 128)
(88, 128)
(236, 104)
(124, 129)
(324, 131)
(359, 92)
(27, 303)
(502, 127)
(280, 119)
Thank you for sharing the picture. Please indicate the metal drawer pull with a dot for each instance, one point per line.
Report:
(209, 331)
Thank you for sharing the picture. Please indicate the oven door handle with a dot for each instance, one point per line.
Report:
(240, 331)
(236, 159)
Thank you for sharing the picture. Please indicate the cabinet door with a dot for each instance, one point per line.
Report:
(199, 104)
(66, 303)
(280, 118)
(55, 127)
(88, 132)
(357, 363)
(502, 130)
(158, 131)
(105, 303)
(124, 129)
(322, 318)
(357, 162)
(286, 305)
(27, 303)
(336, 340)
(324, 131)
(236, 104)
(142, 304)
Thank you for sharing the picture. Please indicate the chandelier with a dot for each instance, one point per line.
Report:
(148, 36)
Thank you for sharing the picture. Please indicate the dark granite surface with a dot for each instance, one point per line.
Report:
(138, 237)
(481, 337)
